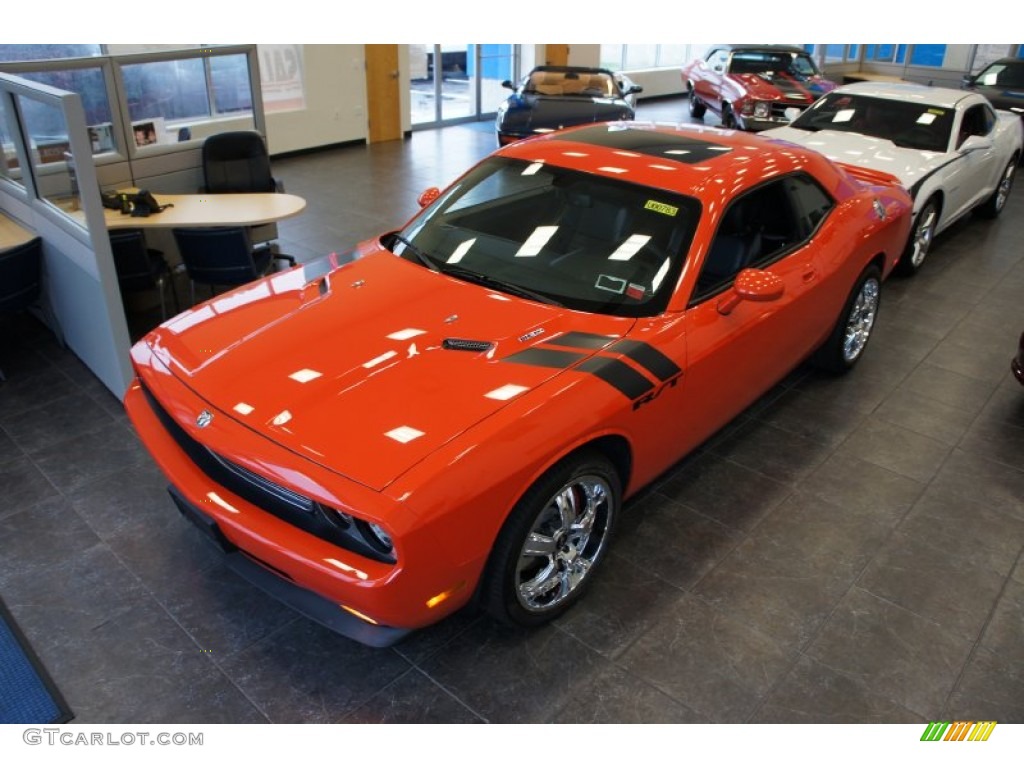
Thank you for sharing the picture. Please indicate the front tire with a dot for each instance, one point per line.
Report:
(697, 107)
(995, 203)
(553, 541)
(846, 344)
(728, 118)
(920, 243)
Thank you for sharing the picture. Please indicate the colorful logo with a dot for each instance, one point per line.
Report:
(959, 731)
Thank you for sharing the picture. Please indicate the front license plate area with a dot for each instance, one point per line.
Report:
(202, 521)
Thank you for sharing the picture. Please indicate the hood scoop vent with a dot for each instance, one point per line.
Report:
(467, 345)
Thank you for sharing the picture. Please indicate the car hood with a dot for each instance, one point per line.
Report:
(530, 112)
(785, 87)
(352, 370)
(907, 165)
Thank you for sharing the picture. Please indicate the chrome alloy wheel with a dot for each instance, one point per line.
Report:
(565, 541)
(1005, 185)
(861, 320)
(924, 233)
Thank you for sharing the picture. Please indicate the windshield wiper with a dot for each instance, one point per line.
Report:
(427, 261)
(493, 282)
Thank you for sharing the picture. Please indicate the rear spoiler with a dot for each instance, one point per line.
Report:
(870, 176)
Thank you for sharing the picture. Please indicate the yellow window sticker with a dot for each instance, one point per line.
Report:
(668, 210)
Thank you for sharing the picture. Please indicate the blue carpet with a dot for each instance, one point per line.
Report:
(27, 695)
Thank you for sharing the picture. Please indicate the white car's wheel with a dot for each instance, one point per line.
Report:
(995, 203)
(920, 243)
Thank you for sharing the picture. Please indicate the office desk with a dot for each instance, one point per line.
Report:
(12, 234)
(230, 210)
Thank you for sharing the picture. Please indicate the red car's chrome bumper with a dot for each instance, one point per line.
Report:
(375, 603)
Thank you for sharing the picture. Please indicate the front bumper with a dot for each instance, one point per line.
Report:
(317, 577)
(308, 603)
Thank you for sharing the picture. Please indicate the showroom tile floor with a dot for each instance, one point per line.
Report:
(847, 550)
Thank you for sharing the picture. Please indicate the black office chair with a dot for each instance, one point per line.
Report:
(140, 268)
(224, 256)
(20, 279)
(237, 161)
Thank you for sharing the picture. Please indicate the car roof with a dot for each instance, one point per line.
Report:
(905, 91)
(682, 158)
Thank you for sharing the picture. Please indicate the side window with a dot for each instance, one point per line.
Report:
(812, 204)
(760, 227)
(977, 121)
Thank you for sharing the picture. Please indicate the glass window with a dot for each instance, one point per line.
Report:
(673, 55)
(9, 168)
(43, 52)
(167, 98)
(612, 55)
(641, 57)
(91, 85)
(557, 236)
(904, 123)
(835, 52)
(50, 153)
(879, 52)
(1008, 75)
(928, 55)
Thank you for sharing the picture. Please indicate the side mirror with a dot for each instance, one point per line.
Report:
(428, 196)
(967, 81)
(508, 84)
(718, 67)
(752, 285)
(975, 143)
(635, 89)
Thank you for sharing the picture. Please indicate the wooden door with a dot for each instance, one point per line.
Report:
(556, 55)
(383, 97)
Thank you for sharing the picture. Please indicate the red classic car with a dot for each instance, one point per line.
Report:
(753, 87)
(459, 412)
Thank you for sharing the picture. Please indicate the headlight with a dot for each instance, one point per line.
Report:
(368, 539)
(762, 110)
(379, 537)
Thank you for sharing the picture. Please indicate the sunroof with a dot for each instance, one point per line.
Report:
(678, 147)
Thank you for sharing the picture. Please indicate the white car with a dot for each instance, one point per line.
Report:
(951, 149)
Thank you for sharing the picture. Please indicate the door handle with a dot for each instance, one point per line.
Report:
(809, 274)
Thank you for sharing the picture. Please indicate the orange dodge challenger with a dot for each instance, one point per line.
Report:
(458, 412)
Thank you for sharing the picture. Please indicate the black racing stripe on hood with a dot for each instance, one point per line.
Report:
(619, 375)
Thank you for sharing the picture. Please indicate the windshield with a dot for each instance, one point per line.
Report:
(1003, 75)
(551, 234)
(588, 84)
(768, 63)
(904, 123)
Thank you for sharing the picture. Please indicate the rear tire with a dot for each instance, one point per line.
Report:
(994, 205)
(846, 344)
(553, 542)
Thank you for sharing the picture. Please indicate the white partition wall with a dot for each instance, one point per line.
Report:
(60, 202)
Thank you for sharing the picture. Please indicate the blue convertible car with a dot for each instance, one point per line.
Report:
(550, 98)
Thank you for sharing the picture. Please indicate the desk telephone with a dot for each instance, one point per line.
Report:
(141, 203)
